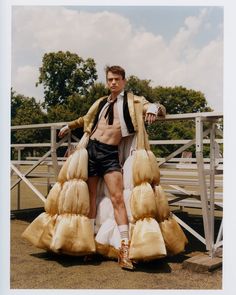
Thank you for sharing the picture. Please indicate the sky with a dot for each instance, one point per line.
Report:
(169, 45)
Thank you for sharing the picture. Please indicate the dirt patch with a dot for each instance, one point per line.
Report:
(33, 268)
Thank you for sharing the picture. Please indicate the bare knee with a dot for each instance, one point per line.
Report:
(117, 200)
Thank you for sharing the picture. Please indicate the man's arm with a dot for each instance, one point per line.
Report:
(81, 121)
(78, 123)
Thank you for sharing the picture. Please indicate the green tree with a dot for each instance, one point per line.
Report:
(60, 113)
(25, 111)
(80, 104)
(63, 74)
(140, 87)
(96, 91)
(77, 105)
(16, 101)
(177, 100)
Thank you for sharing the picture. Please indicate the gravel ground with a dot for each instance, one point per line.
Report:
(33, 268)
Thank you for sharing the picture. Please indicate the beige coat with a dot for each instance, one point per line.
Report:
(64, 226)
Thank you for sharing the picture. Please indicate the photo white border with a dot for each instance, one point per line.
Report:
(229, 272)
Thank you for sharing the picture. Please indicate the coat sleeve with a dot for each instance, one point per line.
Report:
(78, 123)
(86, 119)
(153, 108)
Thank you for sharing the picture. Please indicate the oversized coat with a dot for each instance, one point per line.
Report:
(64, 226)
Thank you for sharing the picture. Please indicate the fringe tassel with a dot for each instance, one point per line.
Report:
(142, 202)
(174, 237)
(51, 204)
(163, 210)
(154, 168)
(78, 167)
(147, 242)
(142, 171)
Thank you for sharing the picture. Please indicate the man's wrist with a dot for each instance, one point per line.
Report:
(156, 109)
(152, 109)
(158, 106)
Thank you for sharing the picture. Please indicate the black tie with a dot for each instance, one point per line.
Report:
(110, 112)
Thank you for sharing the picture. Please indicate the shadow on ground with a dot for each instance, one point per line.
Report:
(67, 260)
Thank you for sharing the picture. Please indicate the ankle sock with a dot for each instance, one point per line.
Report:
(124, 232)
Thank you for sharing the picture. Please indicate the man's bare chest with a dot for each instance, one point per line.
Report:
(104, 120)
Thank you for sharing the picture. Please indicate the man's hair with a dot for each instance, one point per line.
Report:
(115, 70)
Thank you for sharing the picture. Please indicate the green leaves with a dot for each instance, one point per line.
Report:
(177, 100)
(63, 74)
(24, 111)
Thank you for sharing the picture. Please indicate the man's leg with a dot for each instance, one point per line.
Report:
(114, 182)
(92, 186)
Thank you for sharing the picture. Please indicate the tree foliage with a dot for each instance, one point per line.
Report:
(77, 105)
(140, 87)
(177, 100)
(63, 74)
(25, 111)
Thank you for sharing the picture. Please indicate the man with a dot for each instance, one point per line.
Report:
(111, 123)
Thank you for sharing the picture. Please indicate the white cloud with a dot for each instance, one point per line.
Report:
(24, 81)
(111, 39)
(186, 33)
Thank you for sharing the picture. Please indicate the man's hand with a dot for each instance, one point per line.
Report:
(153, 111)
(150, 118)
(63, 131)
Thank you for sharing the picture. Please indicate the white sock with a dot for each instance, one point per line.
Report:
(124, 232)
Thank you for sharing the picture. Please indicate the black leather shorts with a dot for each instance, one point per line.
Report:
(102, 158)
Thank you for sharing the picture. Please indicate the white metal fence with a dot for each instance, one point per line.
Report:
(189, 182)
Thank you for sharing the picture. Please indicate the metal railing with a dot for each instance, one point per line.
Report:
(205, 174)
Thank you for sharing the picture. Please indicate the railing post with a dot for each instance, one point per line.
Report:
(54, 151)
(69, 141)
(202, 180)
(19, 184)
(212, 187)
(48, 181)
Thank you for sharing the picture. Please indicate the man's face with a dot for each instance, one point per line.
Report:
(115, 83)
